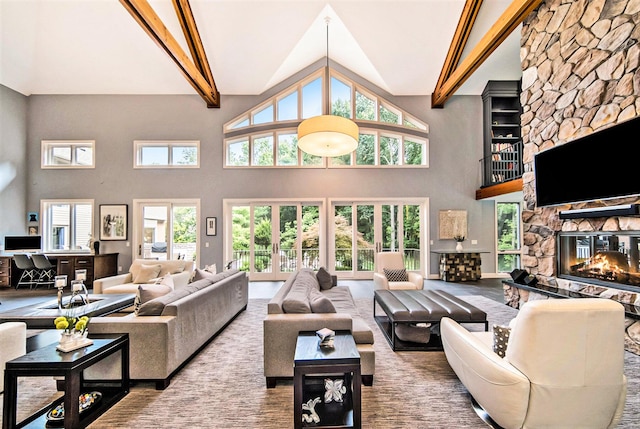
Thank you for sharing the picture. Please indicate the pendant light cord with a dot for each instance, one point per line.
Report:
(327, 20)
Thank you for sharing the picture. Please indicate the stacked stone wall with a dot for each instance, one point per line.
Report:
(580, 62)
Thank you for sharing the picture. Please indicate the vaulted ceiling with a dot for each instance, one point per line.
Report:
(96, 47)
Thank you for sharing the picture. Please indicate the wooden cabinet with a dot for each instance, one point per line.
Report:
(5, 271)
(502, 133)
(97, 266)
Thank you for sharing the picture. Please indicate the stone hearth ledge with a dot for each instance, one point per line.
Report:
(516, 294)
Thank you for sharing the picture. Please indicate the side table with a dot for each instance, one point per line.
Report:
(312, 364)
(460, 266)
(48, 361)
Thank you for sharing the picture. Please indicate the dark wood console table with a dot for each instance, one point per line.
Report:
(48, 361)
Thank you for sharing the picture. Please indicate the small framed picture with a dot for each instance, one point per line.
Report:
(113, 222)
(33, 230)
(212, 227)
(32, 217)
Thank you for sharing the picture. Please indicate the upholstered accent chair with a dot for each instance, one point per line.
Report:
(13, 344)
(563, 367)
(390, 273)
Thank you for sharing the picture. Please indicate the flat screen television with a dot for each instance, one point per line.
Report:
(598, 166)
(23, 243)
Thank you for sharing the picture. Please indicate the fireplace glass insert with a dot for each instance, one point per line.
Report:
(609, 259)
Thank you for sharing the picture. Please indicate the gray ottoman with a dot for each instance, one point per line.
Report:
(408, 312)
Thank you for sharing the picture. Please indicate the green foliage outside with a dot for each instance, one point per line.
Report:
(184, 225)
(310, 234)
(508, 239)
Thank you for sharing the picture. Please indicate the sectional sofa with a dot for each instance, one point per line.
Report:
(301, 305)
(170, 329)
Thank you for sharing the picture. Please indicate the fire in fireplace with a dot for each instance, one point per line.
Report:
(611, 259)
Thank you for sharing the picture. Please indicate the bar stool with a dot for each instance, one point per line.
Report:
(30, 274)
(47, 269)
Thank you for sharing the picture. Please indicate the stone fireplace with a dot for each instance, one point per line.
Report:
(580, 73)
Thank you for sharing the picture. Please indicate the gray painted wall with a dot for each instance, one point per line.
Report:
(13, 163)
(115, 121)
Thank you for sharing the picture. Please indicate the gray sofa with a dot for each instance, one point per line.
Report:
(188, 318)
(281, 328)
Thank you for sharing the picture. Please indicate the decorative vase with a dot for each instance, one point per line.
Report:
(66, 338)
(459, 246)
(96, 247)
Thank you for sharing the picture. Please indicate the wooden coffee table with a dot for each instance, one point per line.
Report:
(340, 363)
(48, 361)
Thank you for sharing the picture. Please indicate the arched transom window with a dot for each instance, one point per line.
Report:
(266, 136)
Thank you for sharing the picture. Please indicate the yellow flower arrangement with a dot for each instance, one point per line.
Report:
(82, 324)
(70, 323)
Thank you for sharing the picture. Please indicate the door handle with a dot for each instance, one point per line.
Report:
(139, 249)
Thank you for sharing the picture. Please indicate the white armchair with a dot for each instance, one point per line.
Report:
(394, 261)
(563, 366)
(13, 343)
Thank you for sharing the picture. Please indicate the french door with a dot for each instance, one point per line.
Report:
(361, 229)
(166, 229)
(273, 238)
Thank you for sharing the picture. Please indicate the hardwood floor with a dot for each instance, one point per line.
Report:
(490, 288)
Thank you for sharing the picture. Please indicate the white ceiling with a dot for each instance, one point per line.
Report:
(96, 47)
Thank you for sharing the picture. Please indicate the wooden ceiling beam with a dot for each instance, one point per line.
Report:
(460, 38)
(144, 14)
(499, 189)
(192, 36)
(504, 25)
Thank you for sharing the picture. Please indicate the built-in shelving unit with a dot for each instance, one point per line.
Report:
(502, 136)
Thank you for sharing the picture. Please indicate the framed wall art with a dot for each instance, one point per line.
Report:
(113, 222)
(453, 223)
(212, 227)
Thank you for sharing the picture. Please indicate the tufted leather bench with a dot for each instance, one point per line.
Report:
(405, 309)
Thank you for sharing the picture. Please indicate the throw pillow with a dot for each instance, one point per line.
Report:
(211, 268)
(148, 292)
(399, 275)
(147, 273)
(324, 279)
(203, 274)
(297, 299)
(166, 280)
(500, 339)
(156, 306)
(320, 303)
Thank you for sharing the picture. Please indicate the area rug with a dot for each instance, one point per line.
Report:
(224, 387)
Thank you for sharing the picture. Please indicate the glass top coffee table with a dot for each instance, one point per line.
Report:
(319, 375)
(40, 316)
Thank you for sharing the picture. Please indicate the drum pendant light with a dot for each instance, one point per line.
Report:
(328, 135)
